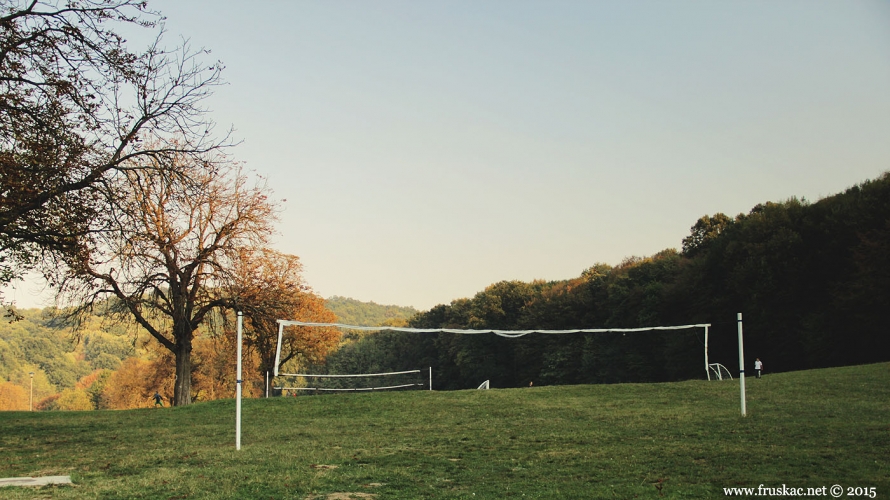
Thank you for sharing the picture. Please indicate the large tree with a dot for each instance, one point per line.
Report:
(169, 264)
(269, 286)
(78, 107)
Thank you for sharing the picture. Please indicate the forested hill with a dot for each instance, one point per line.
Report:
(811, 279)
(40, 352)
(356, 312)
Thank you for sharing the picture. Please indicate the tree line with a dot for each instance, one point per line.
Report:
(44, 367)
(811, 279)
(49, 363)
(105, 363)
(355, 312)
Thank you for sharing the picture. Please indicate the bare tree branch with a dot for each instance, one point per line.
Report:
(171, 259)
(79, 109)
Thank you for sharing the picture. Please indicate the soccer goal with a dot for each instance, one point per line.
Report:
(720, 371)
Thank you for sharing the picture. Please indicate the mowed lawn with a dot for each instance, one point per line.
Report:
(679, 440)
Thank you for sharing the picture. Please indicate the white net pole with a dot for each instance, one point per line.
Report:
(238, 387)
(278, 349)
(742, 368)
(707, 365)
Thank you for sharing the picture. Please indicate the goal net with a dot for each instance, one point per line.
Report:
(718, 372)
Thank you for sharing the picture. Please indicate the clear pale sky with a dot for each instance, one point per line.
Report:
(428, 149)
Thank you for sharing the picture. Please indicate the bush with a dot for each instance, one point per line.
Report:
(13, 397)
(74, 400)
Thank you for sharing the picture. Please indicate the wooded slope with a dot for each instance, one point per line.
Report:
(811, 279)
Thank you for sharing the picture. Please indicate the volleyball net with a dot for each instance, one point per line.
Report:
(459, 331)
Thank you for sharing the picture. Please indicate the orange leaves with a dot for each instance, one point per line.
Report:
(13, 397)
(176, 255)
(269, 286)
(314, 344)
(135, 382)
(89, 380)
(214, 366)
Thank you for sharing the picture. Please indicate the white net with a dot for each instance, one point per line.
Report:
(719, 372)
(501, 333)
(308, 382)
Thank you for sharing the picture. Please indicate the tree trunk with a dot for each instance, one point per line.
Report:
(182, 388)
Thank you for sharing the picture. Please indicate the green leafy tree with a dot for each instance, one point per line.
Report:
(9, 359)
(105, 361)
(97, 345)
(705, 230)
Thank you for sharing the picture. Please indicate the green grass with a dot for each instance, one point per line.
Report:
(678, 440)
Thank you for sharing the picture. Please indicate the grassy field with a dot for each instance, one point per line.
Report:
(680, 440)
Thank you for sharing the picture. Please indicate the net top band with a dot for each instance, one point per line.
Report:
(502, 333)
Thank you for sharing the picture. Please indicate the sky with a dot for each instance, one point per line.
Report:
(428, 149)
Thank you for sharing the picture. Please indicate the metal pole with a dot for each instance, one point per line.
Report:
(741, 367)
(278, 349)
(431, 378)
(707, 366)
(238, 388)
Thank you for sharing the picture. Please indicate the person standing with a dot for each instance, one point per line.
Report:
(158, 400)
(758, 367)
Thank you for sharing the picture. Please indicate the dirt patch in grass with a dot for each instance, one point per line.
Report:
(341, 496)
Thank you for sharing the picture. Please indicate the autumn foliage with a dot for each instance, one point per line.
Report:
(213, 376)
(133, 385)
(13, 397)
(143, 367)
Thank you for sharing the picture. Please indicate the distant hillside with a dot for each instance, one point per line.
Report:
(356, 312)
(812, 279)
(39, 358)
